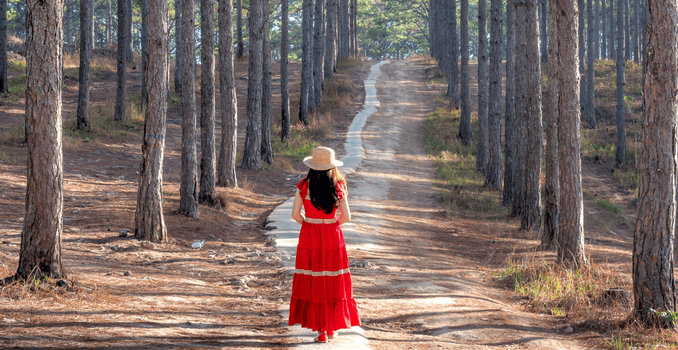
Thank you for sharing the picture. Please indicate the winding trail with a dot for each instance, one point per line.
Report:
(412, 291)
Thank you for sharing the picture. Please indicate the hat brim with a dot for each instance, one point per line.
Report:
(324, 166)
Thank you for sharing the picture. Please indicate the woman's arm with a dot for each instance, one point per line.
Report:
(345, 211)
(296, 208)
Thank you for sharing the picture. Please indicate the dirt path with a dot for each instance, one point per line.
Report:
(415, 294)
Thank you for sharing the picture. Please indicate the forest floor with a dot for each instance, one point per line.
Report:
(432, 279)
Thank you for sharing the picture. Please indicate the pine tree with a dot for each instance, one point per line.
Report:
(266, 92)
(494, 115)
(620, 157)
(284, 54)
(207, 109)
(149, 218)
(465, 132)
(570, 247)
(508, 197)
(86, 19)
(3, 47)
(590, 93)
(122, 59)
(453, 85)
(188, 189)
(241, 42)
(481, 155)
(318, 53)
(228, 102)
(252, 150)
(653, 240)
(40, 252)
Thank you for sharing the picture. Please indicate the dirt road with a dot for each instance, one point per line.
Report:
(414, 293)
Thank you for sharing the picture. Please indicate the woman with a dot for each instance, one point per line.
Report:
(322, 295)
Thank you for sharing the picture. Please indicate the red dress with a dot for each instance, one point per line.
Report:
(322, 295)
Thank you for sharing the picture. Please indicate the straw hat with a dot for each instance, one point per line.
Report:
(322, 159)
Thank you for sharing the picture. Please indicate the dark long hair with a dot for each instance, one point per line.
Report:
(323, 187)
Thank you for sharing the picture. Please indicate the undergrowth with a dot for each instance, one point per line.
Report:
(462, 187)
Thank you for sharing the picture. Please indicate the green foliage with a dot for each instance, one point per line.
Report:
(392, 27)
(619, 343)
(669, 317)
(606, 204)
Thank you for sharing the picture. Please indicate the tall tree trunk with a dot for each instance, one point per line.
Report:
(582, 53)
(570, 247)
(228, 101)
(130, 32)
(252, 151)
(494, 130)
(611, 52)
(636, 31)
(453, 85)
(122, 59)
(43, 223)
(306, 62)
(603, 29)
(144, 42)
(331, 39)
(350, 26)
(86, 18)
(109, 22)
(241, 42)
(207, 151)
(510, 137)
(549, 234)
(267, 95)
(481, 155)
(3, 47)
(284, 54)
(627, 32)
(653, 240)
(343, 52)
(590, 107)
(354, 33)
(465, 132)
(596, 31)
(67, 21)
(543, 30)
(528, 110)
(620, 157)
(149, 218)
(188, 189)
(177, 46)
(318, 53)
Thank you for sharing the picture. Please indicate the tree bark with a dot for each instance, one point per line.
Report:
(252, 151)
(144, 13)
(653, 241)
(596, 31)
(3, 47)
(306, 67)
(267, 95)
(528, 110)
(318, 53)
(582, 53)
(343, 11)
(494, 130)
(508, 196)
(465, 132)
(86, 18)
(354, 33)
(122, 59)
(543, 30)
(284, 54)
(149, 218)
(611, 52)
(228, 101)
(620, 157)
(453, 85)
(128, 28)
(481, 155)
(40, 251)
(188, 189)
(331, 39)
(549, 234)
(570, 247)
(590, 106)
(241, 42)
(177, 46)
(109, 22)
(67, 21)
(207, 148)
(627, 31)
(603, 30)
